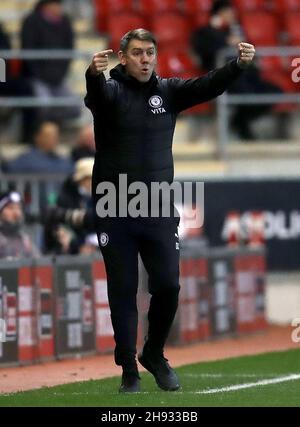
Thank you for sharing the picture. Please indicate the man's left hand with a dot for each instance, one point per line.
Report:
(246, 54)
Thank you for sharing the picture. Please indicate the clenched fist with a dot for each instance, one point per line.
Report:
(100, 62)
(246, 54)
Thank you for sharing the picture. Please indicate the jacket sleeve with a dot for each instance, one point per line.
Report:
(99, 92)
(190, 92)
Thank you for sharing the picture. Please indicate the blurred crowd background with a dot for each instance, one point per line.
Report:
(46, 133)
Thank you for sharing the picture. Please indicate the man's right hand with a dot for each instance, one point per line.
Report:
(99, 63)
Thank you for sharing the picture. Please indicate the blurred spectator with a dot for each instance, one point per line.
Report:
(90, 245)
(14, 242)
(63, 239)
(15, 85)
(42, 159)
(223, 31)
(85, 144)
(4, 39)
(48, 27)
(4, 45)
(76, 197)
(76, 192)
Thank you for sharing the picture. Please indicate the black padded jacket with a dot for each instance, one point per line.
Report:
(134, 122)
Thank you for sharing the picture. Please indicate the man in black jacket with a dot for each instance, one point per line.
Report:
(134, 118)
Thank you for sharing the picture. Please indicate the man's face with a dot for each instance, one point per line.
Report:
(228, 15)
(12, 213)
(86, 138)
(139, 60)
(48, 137)
(54, 8)
(86, 184)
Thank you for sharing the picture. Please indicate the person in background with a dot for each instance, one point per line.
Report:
(75, 197)
(5, 89)
(4, 39)
(223, 31)
(76, 191)
(14, 241)
(47, 27)
(16, 86)
(42, 158)
(207, 41)
(85, 144)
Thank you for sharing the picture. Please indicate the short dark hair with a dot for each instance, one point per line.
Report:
(220, 5)
(137, 34)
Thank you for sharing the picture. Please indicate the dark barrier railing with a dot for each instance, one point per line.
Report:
(52, 308)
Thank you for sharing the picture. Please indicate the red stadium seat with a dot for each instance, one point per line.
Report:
(204, 108)
(285, 6)
(114, 6)
(191, 7)
(15, 67)
(292, 27)
(154, 7)
(179, 64)
(171, 30)
(176, 64)
(200, 19)
(270, 63)
(283, 80)
(243, 6)
(273, 70)
(198, 12)
(118, 25)
(261, 28)
(105, 8)
(281, 8)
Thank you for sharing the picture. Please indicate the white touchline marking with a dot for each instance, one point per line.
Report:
(277, 380)
(207, 375)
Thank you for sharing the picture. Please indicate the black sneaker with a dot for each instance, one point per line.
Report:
(130, 382)
(155, 362)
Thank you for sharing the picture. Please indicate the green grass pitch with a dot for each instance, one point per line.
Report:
(270, 379)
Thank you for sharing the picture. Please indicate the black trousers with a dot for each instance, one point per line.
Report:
(120, 241)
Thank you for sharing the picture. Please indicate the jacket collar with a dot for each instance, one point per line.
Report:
(118, 73)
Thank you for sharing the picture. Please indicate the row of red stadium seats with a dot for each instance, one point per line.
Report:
(149, 7)
(275, 5)
(196, 10)
(261, 28)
